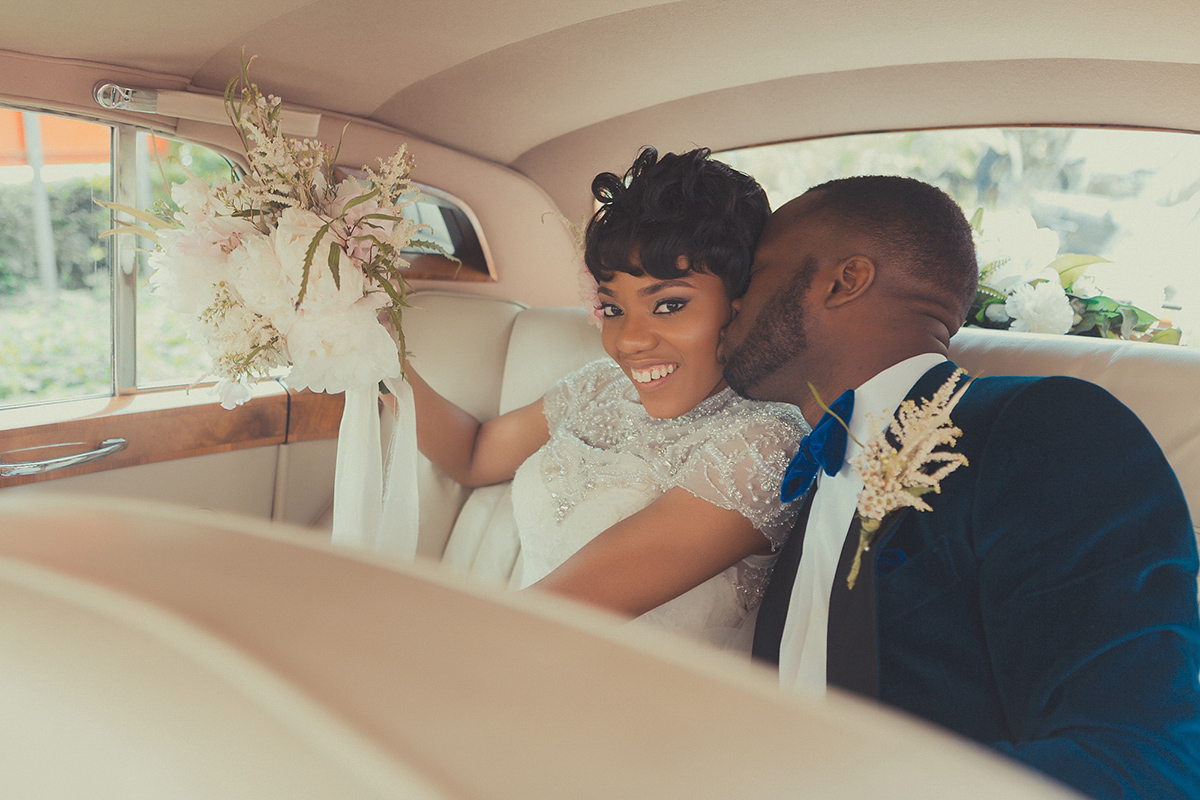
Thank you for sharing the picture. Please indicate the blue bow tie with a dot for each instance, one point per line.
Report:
(824, 448)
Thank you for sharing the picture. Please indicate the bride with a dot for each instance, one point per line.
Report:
(643, 484)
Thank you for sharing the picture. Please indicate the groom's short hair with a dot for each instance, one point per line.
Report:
(917, 226)
(684, 204)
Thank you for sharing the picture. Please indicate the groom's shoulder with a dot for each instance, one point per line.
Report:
(1048, 392)
(1052, 407)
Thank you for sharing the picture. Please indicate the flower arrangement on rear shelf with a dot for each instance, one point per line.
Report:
(289, 266)
(1025, 285)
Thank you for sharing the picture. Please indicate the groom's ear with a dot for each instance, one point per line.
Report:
(852, 277)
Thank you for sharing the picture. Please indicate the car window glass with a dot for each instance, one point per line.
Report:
(165, 354)
(1130, 197)
(55, 323)
(58, 307)
(447, 222)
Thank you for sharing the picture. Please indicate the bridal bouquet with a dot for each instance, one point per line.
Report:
(1025, 285)
(299, 265)
(293, 265)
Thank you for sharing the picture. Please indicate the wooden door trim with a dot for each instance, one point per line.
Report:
(162, 425)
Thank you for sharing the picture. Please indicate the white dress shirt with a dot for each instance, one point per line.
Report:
(802, 649)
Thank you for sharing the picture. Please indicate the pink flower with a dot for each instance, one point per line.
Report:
(589, 294)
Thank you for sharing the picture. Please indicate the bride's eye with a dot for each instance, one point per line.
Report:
(609, 310)
(669, 306)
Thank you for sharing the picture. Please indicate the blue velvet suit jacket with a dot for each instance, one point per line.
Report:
(1046, 606)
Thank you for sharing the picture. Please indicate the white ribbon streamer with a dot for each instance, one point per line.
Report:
(358, 472)
(364, 514)
(401, 523)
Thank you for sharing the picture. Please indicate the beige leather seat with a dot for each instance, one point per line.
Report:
(150, 653)
(489, 356)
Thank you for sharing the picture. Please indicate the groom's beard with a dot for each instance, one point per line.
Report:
(777, 336)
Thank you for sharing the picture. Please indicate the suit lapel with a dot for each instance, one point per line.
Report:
(772, 615)
(852, 643)
(768, 629)
(851, 649)
(852, 636)
(928, 384)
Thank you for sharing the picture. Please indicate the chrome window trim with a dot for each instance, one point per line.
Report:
(123, 260)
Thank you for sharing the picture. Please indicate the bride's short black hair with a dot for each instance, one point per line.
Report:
(683, 204)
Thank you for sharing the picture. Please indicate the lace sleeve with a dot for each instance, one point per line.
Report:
(741, 468)
(565, 398)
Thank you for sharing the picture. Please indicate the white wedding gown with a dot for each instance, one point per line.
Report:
(607, 459)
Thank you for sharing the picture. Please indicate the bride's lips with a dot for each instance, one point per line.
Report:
(650, 376)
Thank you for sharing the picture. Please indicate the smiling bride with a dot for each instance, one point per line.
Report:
(642, 483)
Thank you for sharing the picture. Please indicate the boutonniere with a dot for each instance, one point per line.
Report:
(899, 464)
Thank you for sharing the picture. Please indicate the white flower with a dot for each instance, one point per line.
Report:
(194, 198)
(261, 281)
(239, 340)
(235, 263)
(997, 313)
(184, 274)
(1040, 308)
(1012, 249)
(341, 347)
(233, 392)
(293, 237)
(899, 464)
(1085, 286)
(190, 260)
(399, 234)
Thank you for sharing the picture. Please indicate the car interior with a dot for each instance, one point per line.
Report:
(509, 109)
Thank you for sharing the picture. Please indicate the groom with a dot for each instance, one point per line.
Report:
(1046, 604)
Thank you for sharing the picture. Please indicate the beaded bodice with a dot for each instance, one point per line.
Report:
(607, 459)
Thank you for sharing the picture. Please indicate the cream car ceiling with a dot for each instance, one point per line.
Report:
(561, 89)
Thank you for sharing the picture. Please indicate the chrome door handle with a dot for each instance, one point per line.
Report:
(12, 469)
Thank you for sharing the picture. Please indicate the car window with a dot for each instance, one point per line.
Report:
(165, 354)
(55, 295)
(72, 325)
(1129, 198)
(448, 223)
